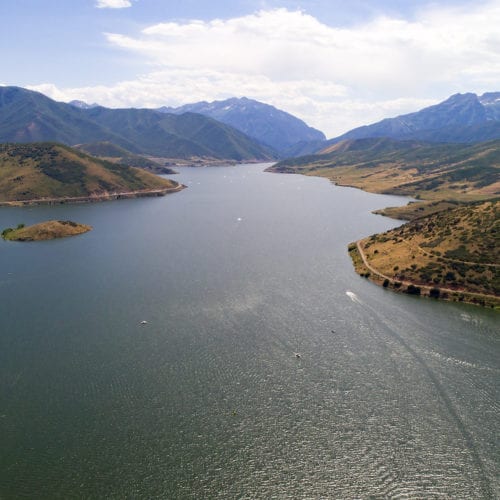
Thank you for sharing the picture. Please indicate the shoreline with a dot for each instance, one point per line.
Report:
(366, 270)
(94, 198)
(204, 162)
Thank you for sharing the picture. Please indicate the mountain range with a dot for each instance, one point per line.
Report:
(460, 118)
(237, 129)
(277, 129)
(27, 116)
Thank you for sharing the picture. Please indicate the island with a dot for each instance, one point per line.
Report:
(48, 230)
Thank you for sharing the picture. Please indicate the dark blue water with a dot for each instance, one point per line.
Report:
(393, 396)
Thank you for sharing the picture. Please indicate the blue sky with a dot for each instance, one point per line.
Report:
(336, 64)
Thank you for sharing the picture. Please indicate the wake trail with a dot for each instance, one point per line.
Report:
(447, 402)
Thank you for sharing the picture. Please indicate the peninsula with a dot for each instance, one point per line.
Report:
(51, 173)
(452, 255)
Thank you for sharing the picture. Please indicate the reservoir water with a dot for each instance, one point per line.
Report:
(392, 396)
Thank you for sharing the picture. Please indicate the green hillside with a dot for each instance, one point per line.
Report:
(52, 171)
(27, 116)
(104, 149)
(109, 151)
(180, 136)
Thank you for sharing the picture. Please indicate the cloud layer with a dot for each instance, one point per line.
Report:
(113, 4)
(334, 78)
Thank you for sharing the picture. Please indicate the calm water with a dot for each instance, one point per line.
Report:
(393, 396)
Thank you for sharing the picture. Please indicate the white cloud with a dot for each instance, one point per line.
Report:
(113, 4)
(334, 78)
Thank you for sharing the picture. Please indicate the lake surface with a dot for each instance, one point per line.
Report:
(393, 396)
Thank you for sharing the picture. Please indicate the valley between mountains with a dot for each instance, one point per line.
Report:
(446, 156)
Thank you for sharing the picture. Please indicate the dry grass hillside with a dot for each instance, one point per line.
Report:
(454, 250)
(426, 171)
(40, 171)
(48, 230)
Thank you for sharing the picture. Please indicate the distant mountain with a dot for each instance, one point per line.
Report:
(38, 171)
(83, 105)
(179, 136)
(27, 116)
(269, 125)
(461, 118)
(491, 103)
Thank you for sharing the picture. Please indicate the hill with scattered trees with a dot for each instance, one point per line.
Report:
(50, 172)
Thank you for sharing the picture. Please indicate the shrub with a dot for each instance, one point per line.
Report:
(434, 293)
(385, 284)
(6, 231)
(413, 290)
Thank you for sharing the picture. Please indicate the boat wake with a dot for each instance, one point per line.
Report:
(353, 297)
(460, 362)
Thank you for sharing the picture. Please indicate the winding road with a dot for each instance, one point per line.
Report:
(427, 287)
